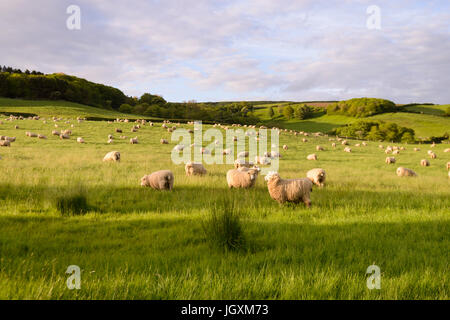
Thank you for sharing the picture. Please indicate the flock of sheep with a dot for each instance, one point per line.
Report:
(245, 172)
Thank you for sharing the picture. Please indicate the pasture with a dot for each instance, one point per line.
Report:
(138, 243)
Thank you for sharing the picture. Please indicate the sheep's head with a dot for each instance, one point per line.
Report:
(144, 181)
(253, 173)
(271, 176)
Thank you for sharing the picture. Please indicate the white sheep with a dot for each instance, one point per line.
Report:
(390, 160)
(311, 157)
(134, 140)
(317, 176)
(347, 149)
(262, 160)
(238, 163)
(112, 156)
(194, 168)
(159, 180)
(424, 163)
(242, 179)
(405, 172)
(289, 190)
(80, 140)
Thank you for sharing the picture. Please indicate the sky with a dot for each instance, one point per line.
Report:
(239, 49)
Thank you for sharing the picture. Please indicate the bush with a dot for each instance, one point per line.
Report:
(362, 107)
(223, 228)
(72, 204)
(376, 131)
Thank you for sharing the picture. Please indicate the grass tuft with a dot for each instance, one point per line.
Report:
(72, 204)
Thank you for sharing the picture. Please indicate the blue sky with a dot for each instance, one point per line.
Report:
(238, 50)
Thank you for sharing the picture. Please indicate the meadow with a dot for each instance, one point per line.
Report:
(138, 243)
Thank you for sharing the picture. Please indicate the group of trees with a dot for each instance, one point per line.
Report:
(376, 131)
(299, 112)
(362, 107)
(14, 70)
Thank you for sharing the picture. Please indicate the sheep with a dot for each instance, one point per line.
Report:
(311, 157)
(404, 172)
(390, 160)
(424, 163)
(289, 190)
(118, 130)
(178, 147)
(64, 136)
(163, 141)
(41, 136)
(55, 133)
(317, 176)
(16, 127)
(10, 139)
(80, 140)
(380, 146)
(364, 144)
(388, 150)
(262, 160)
(239, 163)
(357, 145)
(285, 147)
(305, 140)
(67, 132)
(194, 168)
(333, 145)
(242, 179)
(448, 165)
(344, 143)
(243, 154)
(31, 134)
(110, 137)
(319, 148)
(433, 155)
(5, 143)
(347, 149)
(447, 150)
(227, 151)
(416, 149)
(134, 140)
(112, 156)
(110, 141)
(275, 154)
(396, 152)
(159, 180)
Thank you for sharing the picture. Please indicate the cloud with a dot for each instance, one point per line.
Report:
(223, 50)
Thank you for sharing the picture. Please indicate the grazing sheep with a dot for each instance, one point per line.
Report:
(433, 155)
(134, 140)
(285, 147)
(262, 160)
(194, 168)
(380, 146)
(80, 140)
(118, 130)
(10, 139)
(239, 163)
(243, 154)
(178, 147)
(159, 180)
(67, 132)
(55, 133)
(274, 154)
(112, 156)
(64, 136)
(242, 179)
(333, 145)
(424, 163)
(311, 157)
(227, 151)
(447, 150)
(31, 134)
(357, 145)
(305, 140)
(396, 152)
(110, 141)
(164, 141)
(5, 143)
(390, 160)
(319, 148)
(16, 127)
(347, 149)
(41, 136)
(317, 176)
(364, 144)
(416, 149)
(110, 137)
(404, 172)
(344, 143)
(289, 190)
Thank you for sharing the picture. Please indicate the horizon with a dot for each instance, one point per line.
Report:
(239, 51)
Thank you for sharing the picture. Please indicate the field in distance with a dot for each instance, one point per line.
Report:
(138, 243)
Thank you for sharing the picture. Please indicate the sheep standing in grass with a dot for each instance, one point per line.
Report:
(242, 179)
(159, 180)
(64, 136)
(404, 172)
(193, 168)
(317, 176)
(55, 133)
(262, 160)
(239, 163)
(285, 147)
(447, 150)
(433, 155)
(80, 140)
(5, 143)
(134, 140)
(112, 156)
(291, 190)
(424, 163)
(41, 136)
(333, 145)
(347, 149)
(243, 154)
(319, 148)
(390, 160)
(311, 157)
(164, 141)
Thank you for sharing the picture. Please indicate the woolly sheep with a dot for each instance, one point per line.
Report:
(242, 163)
(227, 151)
(424, 163)
(404, 172)
(317, 176)
(110, 137)
(447, 150)
(178, 147)
(289, 190)
(448, 165)
(5, 143)
(118, 130)
(416, 149)
(347, 149)
(159, 180)
(112, 156)
(311, 157)
(164, 141)
(319, 148)
(433, 155)
(333, 145)
(390, 160)
(242, 179)
(193, 168)
(41, 136)
(134, 140)
(64, 136)
(262, 160)
(55, 133)
(285, 147)
(275, 154)
(243, 154)
(80, 140)
(396, 152)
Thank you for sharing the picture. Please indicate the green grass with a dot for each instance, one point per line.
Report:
(61, 108)
(137, 243)
(428, 124)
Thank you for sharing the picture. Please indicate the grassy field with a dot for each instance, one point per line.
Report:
(137, 243)
(430, 123)
(49, 108)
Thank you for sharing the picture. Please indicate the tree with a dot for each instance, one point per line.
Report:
(125, 108)
(302, 112)
(288, 112)
(271, 112)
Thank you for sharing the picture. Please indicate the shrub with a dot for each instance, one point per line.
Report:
(376, 131)
(223, 228)
(362, 107)
(72, 204)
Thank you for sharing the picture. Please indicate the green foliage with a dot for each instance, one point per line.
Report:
(376, 131)
(288, 112)
(223, 228)
(152, 99)
(447, 112)
(271, 112)
(362, 107)
(125, 108)
(303, 112)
